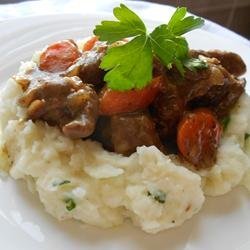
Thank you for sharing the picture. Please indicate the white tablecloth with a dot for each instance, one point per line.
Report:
(144, 9)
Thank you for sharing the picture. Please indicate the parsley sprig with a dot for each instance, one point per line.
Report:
(130, 65)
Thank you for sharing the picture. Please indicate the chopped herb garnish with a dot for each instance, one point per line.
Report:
(194, 63)
(54, 184)
(70, 204)
(247, 136)
(130, 66)
(225, 121)
(158, 195)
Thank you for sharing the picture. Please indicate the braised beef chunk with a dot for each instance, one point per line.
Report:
(103, 132)
(167, 109)
(83, 104)
(132, 130)
(89, 70)
(87, 67)
(158, 68)
(232, 62)
(198, 74)
(219, 92)
(62, 101)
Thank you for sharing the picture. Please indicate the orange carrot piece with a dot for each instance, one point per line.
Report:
(115, 102)
(59, 56)
(198, 137)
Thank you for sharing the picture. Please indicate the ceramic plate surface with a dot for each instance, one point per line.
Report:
(222, 224)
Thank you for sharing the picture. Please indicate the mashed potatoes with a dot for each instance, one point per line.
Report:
(233, 163)
(79, 179)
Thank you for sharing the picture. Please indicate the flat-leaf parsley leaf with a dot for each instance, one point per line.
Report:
(130, 65)
(129, 25)
(179, 24)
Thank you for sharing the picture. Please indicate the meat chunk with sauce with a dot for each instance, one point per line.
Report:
(87, 67)
(167, 109)
(63, 101)
(232, 62)
(83, 104)
(219, 91)
(131, 130)
(103, 132)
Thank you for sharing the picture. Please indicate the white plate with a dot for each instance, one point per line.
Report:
(223, 223)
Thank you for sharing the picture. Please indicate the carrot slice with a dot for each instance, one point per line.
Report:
(59, 56)
(198, 137)
(115, 102)
(90, 43)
